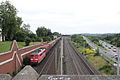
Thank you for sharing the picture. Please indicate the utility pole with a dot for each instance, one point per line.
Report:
(118, 69)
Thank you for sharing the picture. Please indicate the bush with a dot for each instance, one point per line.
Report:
(47, 38)
(20, 36)
(90, 51)
(27, 41)
(26, 61)
(97, 53)
(39, 39)
(107, 69)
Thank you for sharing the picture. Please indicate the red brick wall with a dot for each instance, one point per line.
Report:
(11, 61)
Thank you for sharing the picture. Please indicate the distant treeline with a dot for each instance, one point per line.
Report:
(113, 39)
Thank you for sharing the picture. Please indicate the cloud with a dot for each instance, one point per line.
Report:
(71, 16)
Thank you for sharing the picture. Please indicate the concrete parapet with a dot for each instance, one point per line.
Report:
(27, 73)
(5, 77)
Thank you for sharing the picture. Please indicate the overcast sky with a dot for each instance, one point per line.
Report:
(71, 16)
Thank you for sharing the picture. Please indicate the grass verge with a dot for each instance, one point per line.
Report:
(97, 61)
(5, 46)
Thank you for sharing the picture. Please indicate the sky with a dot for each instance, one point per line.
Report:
(71, 16)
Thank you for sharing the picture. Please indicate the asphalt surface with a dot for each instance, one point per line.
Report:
(104, 52)
(74, 63)
(101, 50)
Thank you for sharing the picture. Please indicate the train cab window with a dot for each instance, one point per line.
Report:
(39, 50)
(42, 52)
(34, 55)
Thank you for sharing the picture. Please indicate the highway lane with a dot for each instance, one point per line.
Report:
(101, 50)
(111, 48)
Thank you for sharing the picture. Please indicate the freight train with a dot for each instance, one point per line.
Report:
(39, 54)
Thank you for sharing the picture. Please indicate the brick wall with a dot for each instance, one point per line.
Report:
(11, 61)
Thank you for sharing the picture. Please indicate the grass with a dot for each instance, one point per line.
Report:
(5, 46)
(100, 64)
(22, 44)
(97, 61)
(110, 61)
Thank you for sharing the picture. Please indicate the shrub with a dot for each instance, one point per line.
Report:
(39, 39)
(47, 38)
(97, 53)
(26, 60)
(107, 69)
(27, 41)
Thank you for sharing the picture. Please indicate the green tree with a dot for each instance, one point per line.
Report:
(26, 28)
(97, 53)
(9, 21)
(20, 36)
(27, 41)
(41, 31)
(33, 37)
(56, 33)
(47, 38)
(44, 33)
(39, 39)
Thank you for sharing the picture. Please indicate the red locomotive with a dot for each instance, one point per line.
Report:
(38, 55)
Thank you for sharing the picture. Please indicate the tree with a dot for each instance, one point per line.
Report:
(56, 33)
(97, 53)
(32, 36)
(20, 36)
(41, 31)
(24, 32)
(27, 41)
(26, 28)
(44, 33)
(47, 38)
(9, 21)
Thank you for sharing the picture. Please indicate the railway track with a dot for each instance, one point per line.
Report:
(50, 64)
(75, 63)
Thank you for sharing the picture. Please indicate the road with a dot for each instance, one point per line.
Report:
(101, 50)
(74, 63)
(111, 48)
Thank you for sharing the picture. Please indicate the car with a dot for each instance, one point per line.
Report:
(114, 50)
(111, 46)
(105, 45)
